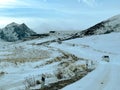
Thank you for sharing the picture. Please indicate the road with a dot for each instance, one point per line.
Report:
(105, 77)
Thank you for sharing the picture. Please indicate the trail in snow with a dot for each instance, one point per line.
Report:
(105, 77)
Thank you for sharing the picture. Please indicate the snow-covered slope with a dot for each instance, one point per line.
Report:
(106, 76)
(104, 27)
(14, 32)
(26, 60)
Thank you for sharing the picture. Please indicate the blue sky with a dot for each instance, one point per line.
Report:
(45, 15)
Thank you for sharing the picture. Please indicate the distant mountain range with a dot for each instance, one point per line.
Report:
(13, 32)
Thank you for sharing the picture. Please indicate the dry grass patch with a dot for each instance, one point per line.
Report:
(27, 56)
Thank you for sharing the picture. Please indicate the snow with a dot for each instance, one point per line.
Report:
(107, 26)
(114, 20)
(16, 72)
(36, 60)
(106, 75)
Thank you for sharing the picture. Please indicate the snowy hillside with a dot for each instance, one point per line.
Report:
(104, 27)
(22, 61)
(68, 59)
(106, 76)
(61, 63)
(14, 32)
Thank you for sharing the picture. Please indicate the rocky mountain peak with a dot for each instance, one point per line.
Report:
(14, 32)
(12, 24)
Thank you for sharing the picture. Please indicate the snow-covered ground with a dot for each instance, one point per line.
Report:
(24, 60)
(21, 61)
(106, 76)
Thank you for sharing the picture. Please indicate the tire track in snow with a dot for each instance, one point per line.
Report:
(90, 47)
(99, 78)
(114, 80)
(96, 80)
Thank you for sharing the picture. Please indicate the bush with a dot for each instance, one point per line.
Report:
(59, 41)
(30, 82)
(59, 74)
(2, 73)
(38, 82)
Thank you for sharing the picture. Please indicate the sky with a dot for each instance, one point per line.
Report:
(47, 15)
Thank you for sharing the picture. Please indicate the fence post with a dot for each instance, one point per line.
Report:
(86, 64)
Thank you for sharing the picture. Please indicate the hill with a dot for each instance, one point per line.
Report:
(13, 32)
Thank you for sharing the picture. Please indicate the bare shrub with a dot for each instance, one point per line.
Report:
(30, 82)
(59, 74)
(64, 73)
(75, 58)
(2, 73)
(64, 64)
(83, 66)
(59, 41)
(38, 82)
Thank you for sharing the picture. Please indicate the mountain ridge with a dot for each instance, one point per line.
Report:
(13, 32)
(107, 26)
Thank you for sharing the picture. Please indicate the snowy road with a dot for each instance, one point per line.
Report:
(105, 77)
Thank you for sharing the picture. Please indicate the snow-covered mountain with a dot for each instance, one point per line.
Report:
(104, 27)
(14, 32)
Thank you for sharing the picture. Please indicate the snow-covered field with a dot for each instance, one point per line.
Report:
(106, 76)
(25, 60)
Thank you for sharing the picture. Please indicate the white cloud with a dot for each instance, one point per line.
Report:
(88, 2)
(6, 3)
(12, 3)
